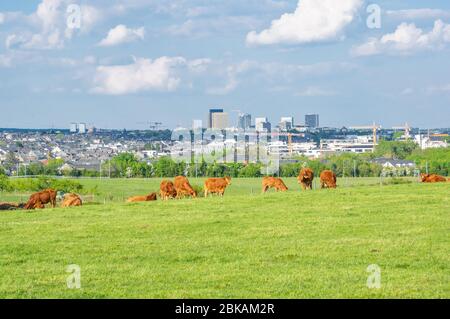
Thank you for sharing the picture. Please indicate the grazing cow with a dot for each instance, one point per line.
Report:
(71, 200)
(273, 182)
(167, 190)
(216, 185)
(183, 187)
(328, 179)
(38, 200)
(432, 178)
(305, 178)
(149, 198)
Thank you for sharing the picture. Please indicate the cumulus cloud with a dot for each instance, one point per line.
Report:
(416, 14)
(442, 88)
(47, 27)
(142, 75)
(312, 21)
(121, 34)
(313, 91)
(274, 74)
(406, 39)
(5, 61)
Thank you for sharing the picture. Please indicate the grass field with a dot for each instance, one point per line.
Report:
(246, 245)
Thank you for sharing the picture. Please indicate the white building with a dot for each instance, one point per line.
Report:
(82, 128)
(262, 124)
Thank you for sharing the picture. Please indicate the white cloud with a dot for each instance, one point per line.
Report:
(313, 91)
(273, 74)
(213, 25)
(2, 18)
(47, 28)
(5, 61)
(312, 21)
(416, 14)
(121, 34)
(443, 88)
(406, 39)
(407, 91)
(142, 75)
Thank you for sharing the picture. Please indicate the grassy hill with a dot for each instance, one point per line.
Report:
(246, 245)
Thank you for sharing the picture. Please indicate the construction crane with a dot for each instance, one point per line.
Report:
(374, 128)
(154, 126)
(406, 128)
(289, 136)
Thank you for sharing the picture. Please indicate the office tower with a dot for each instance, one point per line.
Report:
(82, 128)
(245, 121)
(210, 116)
(312, 120)
(262, 124)
(219, 121)
(287, 123)
(197, 124)
(73, 127)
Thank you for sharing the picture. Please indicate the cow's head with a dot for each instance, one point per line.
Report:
(424, 176)
(228, 179)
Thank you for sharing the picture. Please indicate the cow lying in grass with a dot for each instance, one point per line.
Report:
(11, 206)
(273, 182)
(433, 178)
(148, 198)
(71, 200)
(216, 185)
(38, 200)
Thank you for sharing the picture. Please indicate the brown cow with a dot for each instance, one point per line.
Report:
(38, 200)
(148, 198)
(432, 178)
(183, 187)
(217, 185)
(328, 179)
(305, 178)
(71, 200)
(167, 190)
(273, 182)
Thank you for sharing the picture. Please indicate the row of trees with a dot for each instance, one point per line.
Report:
(126, 165)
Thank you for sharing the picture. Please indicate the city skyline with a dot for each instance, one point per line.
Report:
(125, 62)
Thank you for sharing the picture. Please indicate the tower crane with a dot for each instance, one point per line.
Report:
(374, 127)
(406, 128)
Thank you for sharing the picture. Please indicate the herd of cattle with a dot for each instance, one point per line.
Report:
(181, 188)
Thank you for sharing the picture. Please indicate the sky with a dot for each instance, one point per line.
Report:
(124, 63)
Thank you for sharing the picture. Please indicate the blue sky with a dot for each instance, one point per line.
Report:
(129, 62)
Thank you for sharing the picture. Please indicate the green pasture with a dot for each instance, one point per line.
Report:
(297, 244)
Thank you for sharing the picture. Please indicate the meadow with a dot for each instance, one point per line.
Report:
(297, 244)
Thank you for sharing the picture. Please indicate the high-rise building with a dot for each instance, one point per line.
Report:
(262, 124)
(287, 123)
(197, 124)
(210, 116)
(312, 120)
(245, 121)
(219, 121)
(73, 127)
(82, 128)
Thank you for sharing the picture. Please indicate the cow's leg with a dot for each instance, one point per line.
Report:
(206, 192)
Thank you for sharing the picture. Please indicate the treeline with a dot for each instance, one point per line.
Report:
(40, 183)
(126, 165)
